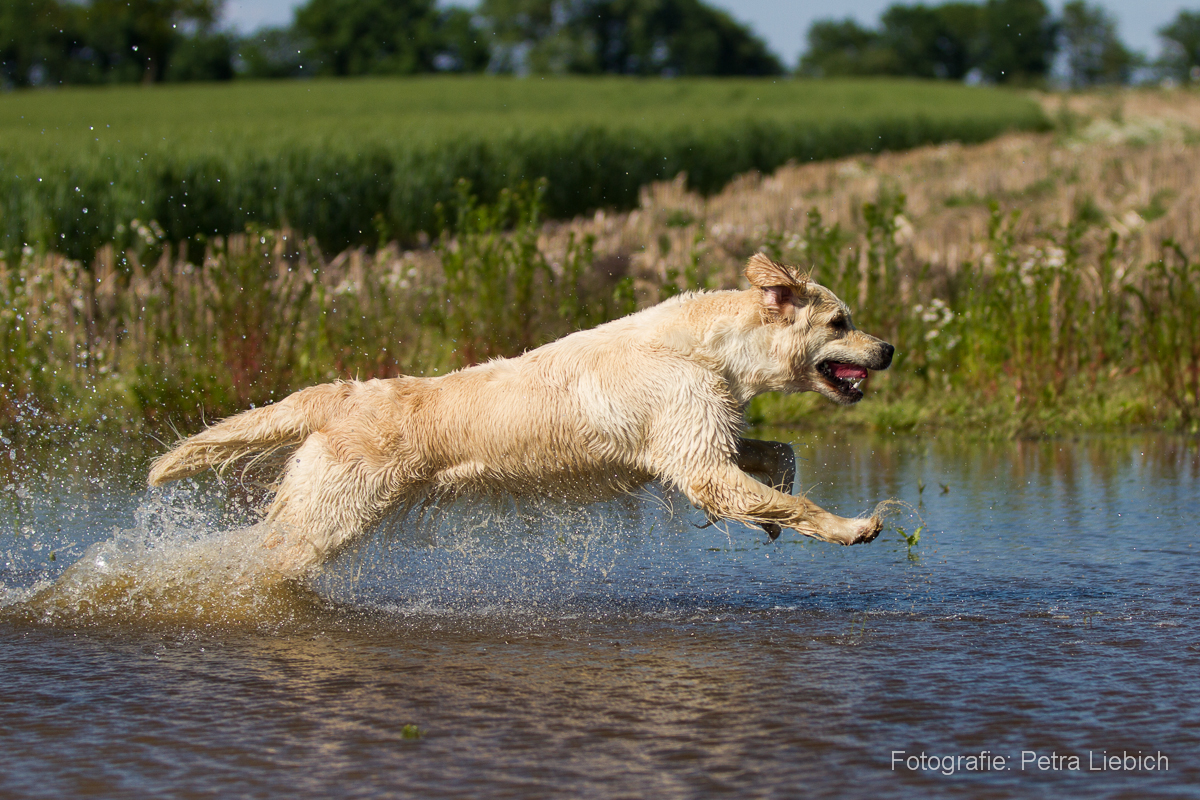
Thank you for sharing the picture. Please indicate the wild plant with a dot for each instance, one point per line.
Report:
(490, 275)
(1021, 314)
(1169, 342)
(500, 294)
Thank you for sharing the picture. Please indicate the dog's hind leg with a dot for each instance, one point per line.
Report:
(326, 504)
(772, 462)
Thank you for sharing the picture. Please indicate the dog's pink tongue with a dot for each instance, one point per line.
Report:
(848, 372)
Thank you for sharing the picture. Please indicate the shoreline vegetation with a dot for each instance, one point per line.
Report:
(1035, 284)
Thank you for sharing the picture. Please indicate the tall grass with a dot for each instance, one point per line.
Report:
(1169, 341)
(1016, 338)
(148, 334)
(500, 294)
(354, 163)
(1023, 337)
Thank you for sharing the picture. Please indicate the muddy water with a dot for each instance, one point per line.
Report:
(1048, 612)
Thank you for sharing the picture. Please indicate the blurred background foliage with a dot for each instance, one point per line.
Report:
(55, 42)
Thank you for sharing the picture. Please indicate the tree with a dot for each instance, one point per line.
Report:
(680, 37)
(273, 53)
(360, 37)
(462, 46)
(202, 57)
(548, 36)
(932, 42)
(633, 37)
(62, 41)
(1017, 41)
(1006, 40)
(843, 47)
(1181, 50)
(37, 39)
(135, 39)
(1094, 53)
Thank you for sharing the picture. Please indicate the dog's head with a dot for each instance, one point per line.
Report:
(814, 342)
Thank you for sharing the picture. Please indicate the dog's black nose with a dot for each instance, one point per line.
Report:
(885, 355)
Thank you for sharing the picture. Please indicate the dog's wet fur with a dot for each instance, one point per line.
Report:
(657, 395)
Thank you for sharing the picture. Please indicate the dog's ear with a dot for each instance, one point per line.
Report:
(782, 289)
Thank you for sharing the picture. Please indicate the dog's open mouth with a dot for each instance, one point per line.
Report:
(844, 378)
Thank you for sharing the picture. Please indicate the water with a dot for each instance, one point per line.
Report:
(618, 650)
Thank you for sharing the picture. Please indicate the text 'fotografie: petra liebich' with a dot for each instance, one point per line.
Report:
(1031, 761)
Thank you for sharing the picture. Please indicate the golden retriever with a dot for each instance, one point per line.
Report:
(657, 395)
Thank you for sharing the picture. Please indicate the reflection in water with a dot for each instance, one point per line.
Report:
(615, 650)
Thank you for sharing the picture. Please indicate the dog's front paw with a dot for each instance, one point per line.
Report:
(870, 529)
(841, 530)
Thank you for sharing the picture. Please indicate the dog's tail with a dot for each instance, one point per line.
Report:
(257, 432)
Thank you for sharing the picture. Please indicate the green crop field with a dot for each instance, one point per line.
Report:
(357, 162)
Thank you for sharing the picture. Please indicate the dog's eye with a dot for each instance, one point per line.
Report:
(840, 323)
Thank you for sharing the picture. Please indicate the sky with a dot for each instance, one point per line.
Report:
(783, 23)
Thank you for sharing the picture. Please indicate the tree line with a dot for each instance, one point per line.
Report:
(53, 42)
(998, 41)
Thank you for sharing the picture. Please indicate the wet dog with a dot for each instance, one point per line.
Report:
(658, 395)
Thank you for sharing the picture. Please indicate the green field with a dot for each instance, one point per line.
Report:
(363, 161)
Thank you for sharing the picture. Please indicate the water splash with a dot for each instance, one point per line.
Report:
(190, 555)
(222, 579)
(184, 561)
(892, 509)
(180, 562)
(484, 557)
